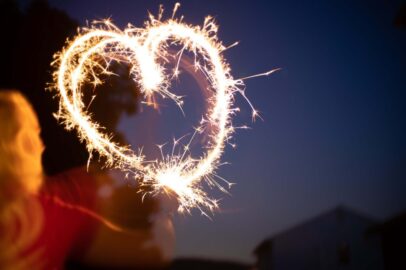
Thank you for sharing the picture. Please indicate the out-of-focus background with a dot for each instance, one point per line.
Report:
(320, 183)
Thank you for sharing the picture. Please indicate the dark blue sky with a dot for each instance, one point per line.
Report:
(333, 129)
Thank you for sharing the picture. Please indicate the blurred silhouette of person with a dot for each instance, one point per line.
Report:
(37, 229)
(42, 228)
(34, 36)
(20, 176)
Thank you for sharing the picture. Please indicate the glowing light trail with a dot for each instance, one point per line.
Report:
(90, 54)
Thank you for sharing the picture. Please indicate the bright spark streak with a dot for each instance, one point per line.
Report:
(90, 54)
(261, 74)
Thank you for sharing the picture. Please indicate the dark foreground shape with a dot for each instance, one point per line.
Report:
(200, 264)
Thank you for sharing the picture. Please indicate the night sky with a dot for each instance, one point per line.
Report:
(333, 129)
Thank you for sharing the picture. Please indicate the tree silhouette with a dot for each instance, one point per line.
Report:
(32, 37)
(400, 18)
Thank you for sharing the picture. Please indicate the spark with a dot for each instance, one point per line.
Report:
(261, 74)
(94, 48)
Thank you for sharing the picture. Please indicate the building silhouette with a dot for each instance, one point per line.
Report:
(338, 239)
(393, 235)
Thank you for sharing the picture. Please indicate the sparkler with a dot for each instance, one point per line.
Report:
(89, 55)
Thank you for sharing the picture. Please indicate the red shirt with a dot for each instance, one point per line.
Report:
(53, 226)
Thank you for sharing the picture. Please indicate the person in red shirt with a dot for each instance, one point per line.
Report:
(44, 226)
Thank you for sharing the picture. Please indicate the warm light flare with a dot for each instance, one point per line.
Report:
(90, 54)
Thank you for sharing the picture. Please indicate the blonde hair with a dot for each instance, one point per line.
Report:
(21, 219)
(20, 163)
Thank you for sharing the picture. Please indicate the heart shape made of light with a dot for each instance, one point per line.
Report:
(141, 49)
